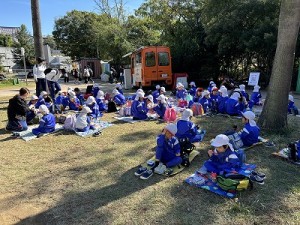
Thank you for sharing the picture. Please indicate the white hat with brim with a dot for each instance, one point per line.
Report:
(250, 116)
(163, 89)
(43, 109)
(172, 128)
(90, 100)
(178, 85)
(34, 97)
(204, 93)
(220, 140)
(186, 114)
(85, 110)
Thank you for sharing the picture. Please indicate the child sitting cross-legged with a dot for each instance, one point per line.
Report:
(83, 121)
(47, 122)
(167, 153)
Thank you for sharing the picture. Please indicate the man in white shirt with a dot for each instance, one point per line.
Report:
(39, 76)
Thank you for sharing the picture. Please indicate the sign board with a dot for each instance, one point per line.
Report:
(253, 78)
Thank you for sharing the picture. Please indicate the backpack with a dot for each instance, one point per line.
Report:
(234, 182)
(235, 140)
(107, 96)
(170, 115)
(186, 146)
(70, 122)
(197, 109)
(182, 103)
(111, 107)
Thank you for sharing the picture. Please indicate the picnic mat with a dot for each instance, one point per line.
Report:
(127, 119)
(27, 135)
(284, 155)
(176, 169)
(101, 125)
(206, 183)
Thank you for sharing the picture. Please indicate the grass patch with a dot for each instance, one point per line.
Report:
(65, 179)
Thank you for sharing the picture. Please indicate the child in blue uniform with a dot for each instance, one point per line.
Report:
(79, 95)
(222, 159)
(92, 104)
(139, 107)
(198, 95)
(234, 105)
(83, 120)
(211, 85)
(205, 101)
(214, 99)
(101, 102)
(181, 92)
(161, 106)
(193, 89)
(44, 99)
(186, 128)
(118, 98)
(250, 133)
(167, 153)
(71, 102)
(243, 91)
(119, 88)
(222, 99)
(30, 115)
(95, 90)
(47, 122)
(255, 96)
(156, 93)
(292, 109)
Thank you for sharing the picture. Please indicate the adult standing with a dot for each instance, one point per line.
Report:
(86, 75)
(16, 111)
(121, 74)
(39, 76)
(52, 77)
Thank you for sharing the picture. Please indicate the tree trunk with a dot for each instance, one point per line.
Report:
(36, 25)
(274, 114)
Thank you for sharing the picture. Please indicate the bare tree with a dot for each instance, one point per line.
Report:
(274, 115)
(114, 8)
(36, 25)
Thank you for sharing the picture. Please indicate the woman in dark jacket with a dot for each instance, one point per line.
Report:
(16, 111)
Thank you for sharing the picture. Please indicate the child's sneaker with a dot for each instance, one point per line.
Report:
(202, 170)
(256, 179)
(261, 175)
(168, 171)
(160, 169)
(146, 174)
(140, 171)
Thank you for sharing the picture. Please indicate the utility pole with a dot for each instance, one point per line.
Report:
(36, 25)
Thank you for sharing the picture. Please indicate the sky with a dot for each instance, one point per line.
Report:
(17, 12)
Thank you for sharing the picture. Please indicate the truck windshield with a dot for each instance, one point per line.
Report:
(150, 59)
(163, 59)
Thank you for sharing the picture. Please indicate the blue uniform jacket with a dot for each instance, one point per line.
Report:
(255, 97)
(169, 148)
(81, 98)
(119, 99)
(155, 95)
(47, 123)
(102, 105)
(180, 94)
(72, 105)
(59, 99)
(95, 110)
(192, 91)
(234, 107)
(249, 134)
(206, 104)
(224, 161)
(221, 101)
(95, 91)
(186, 129)
(139, 109)
(160, 109)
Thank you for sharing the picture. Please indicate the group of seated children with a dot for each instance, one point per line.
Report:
(222, 159)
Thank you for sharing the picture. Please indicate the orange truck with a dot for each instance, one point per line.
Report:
(151, 65)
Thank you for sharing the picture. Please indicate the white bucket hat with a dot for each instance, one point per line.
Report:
(90, 100)
(72, 94)
(206, 92)
(235, 96)
(163, 89)
(223, 91)
(178, 85)
(115, 92)
(162, 98)
(256, 88)
(43, 109)
(157, 87)
(119, 86)
(211, 82)
(140, 90)
(34, 97)
(150, 97)
(96, 85)
(100, 94)
(242, 87)
(43, 93)
(85, 110)
(139, 95)
(186, 114)
(192, 84)
(172, 128)
(220, 140)
(250, 116)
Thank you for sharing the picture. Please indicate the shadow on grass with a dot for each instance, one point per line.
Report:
(81, 206)
(136, 136)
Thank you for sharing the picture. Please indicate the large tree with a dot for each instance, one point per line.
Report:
(274, 115)
(37, 31)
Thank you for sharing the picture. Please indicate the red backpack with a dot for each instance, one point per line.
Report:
(197, 109)
(170, 115)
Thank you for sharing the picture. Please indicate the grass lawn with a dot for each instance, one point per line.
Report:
(65, 179)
